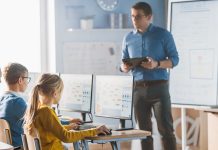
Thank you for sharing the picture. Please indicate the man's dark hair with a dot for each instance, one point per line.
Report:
(143, 6)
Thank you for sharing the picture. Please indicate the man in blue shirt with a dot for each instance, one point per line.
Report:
(151, 87)
(12, 104)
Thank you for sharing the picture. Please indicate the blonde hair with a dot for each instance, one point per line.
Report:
(46, 86)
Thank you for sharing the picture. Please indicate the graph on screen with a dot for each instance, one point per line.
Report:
(77, 93)
(113, 96)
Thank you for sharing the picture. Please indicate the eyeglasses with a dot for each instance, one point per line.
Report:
(137, 17)
(28, 79)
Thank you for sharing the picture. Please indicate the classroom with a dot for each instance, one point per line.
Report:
(108, 75)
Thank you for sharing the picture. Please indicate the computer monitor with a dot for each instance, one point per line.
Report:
(34, 78)
(2, 86)
(77, 93)
(113, 96)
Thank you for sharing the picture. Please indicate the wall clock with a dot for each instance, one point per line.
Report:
(108, 5)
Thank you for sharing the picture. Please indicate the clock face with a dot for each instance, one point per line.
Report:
(108, 5)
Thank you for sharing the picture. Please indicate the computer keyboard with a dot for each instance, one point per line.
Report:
(86, 126)
(122, 129)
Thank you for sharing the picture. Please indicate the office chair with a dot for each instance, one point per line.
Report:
(5, 132)
(31, 142)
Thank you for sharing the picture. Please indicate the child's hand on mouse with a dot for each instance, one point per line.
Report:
(103, 130)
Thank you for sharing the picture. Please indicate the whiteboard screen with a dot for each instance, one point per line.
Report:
(194, 25)
(91, 58)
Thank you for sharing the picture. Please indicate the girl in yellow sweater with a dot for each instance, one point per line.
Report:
(41, 116)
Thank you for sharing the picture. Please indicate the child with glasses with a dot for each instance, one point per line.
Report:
(42, 117)
(12, 104)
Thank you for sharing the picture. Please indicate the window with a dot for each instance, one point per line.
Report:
(20, 33)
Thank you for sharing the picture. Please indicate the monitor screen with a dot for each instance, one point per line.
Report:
(113, 96)
(3, 86)
(77, 93)
(34, 78)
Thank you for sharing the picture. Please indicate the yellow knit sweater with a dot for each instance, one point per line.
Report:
(52, 132)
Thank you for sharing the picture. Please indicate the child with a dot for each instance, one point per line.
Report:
(41, 116)
(12, 105)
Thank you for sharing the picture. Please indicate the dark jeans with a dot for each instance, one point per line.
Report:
(158, 98)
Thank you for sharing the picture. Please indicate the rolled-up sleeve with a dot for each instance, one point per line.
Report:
(125, 53)
(171, 50)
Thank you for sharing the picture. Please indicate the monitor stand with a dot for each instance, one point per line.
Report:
(56, 109)
(122, 126)
(83, 114)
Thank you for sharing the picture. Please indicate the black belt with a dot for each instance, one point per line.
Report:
(149, 83)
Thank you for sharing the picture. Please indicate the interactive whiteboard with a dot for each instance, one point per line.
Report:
(194, 25)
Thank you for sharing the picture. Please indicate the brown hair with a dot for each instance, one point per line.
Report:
(46, 86)
(143, 6)
(12, 72)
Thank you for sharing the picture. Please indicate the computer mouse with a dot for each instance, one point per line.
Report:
(110, 132)
(102, 134)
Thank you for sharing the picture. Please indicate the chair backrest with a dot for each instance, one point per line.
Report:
(5, 132)
(31, 142)
(24, 141)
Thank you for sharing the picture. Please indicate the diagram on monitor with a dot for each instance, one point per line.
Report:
(113, 96)
(77, 93)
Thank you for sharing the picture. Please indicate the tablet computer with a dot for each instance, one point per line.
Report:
(135, 61)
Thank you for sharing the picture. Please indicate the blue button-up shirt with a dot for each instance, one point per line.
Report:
(156, 43)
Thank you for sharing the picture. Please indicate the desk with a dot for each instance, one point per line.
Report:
(4, 146)
(116, 138)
